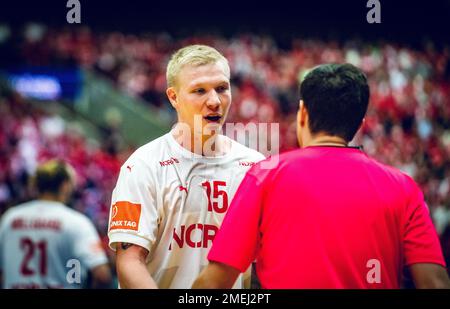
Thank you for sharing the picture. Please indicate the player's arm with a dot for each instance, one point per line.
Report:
(429, 276)
(88, 248)
(101, 276)
(131, 267)
(216, 276)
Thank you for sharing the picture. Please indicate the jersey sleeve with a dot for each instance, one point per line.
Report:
(134, 213)
(88, 247)
(237, 241)
(420, 240)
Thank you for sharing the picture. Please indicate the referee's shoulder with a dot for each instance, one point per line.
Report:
(397, 175)
(273, 164)
(281, 159)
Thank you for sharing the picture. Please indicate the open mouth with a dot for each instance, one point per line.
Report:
(213, 118)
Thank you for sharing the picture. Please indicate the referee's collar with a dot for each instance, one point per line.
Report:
(359, 147)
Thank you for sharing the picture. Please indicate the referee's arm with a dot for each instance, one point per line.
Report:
(216, 276)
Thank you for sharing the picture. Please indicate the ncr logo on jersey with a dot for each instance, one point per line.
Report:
(125, 216)
(169, 162)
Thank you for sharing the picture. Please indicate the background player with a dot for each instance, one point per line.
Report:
(328, 216)
(173, 192)
(43, 240)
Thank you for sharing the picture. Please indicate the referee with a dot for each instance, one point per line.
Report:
(328, 216)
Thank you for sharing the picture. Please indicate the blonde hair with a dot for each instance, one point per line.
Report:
(195, 55)
(50, 175)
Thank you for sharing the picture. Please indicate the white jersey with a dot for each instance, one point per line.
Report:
(45, 244)
(172, 202)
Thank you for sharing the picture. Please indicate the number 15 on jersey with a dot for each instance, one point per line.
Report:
(217, 196)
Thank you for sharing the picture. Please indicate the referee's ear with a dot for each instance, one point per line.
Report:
(302, 114)
(172, 95)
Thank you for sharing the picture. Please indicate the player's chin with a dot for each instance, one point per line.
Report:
(212, 128)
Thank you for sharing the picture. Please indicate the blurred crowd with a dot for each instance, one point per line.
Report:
(30, 135)
(407, 126)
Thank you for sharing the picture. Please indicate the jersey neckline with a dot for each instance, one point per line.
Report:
(188, 154)
(333, 146)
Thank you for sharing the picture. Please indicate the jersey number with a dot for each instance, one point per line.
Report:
(217, 193)
(29, 247)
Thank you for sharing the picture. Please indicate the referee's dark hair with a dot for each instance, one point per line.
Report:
(336, 97)
(51, 175)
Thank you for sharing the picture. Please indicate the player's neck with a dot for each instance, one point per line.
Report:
(326, 140)
(204, 145)
(50, 197)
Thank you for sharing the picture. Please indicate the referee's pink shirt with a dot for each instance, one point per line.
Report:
(324, 218)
